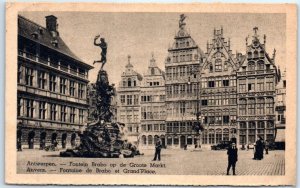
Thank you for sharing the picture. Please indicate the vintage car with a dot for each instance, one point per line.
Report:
(222, 145)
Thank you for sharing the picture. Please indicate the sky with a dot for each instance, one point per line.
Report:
(141, 34)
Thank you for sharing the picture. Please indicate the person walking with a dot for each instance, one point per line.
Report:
(232, 153)
(259, 149)
(158, 147)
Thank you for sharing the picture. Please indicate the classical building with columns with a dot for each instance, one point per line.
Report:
(51, 88)
(182, 88)
(153, 112)
(218, 90)
(257, 77)
(128, 102)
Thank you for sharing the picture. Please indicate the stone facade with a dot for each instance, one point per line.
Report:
(128, 103)
(153, 113)
(51, 90)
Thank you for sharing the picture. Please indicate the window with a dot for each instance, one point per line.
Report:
(218, 65)
(225, 83)
(72, 115)
(52, 82)
(270, 84)
(136, 99)
(255, 54)
(225, 66)
(152, 71)
(270, 105)
(260, 106)
(225, 119)
(29, 108)
(260, 84)
(162, 127)
(53, 112)
(182, 107)
(251, 106)
(20, 72)
(129, 99)
(42, 110)
(19, 106)
(260, 65)
(81, 90)
(249, 55)
(251, 85)
(63, 85)
(81, 116)
(211, 68)
(211, 83)
(129, 82)
(284, 83)
(204, 102)
(41, 79)
(72, 88)
(29, 76)
(63, 113)
(242, 106)
(123, 99)
(242, 88)
(251, 66)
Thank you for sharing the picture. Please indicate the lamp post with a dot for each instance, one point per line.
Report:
(197, 127)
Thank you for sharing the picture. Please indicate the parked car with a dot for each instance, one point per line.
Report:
(225, 144)
(250, 146)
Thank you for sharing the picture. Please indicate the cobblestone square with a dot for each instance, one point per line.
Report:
(177, 162)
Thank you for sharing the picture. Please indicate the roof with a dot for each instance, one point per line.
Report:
(26, 28)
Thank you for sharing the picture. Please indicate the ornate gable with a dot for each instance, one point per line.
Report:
(219, 57)
(256, 56)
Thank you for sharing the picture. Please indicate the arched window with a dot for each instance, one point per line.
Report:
(249, 55)
(260, 65)
(129, 82)
(211, 136)
(251, 66)
(144, 140)
(218, 65)
(176, 44)
(261, 53)
(218, 135)
(255, 54)
(150, 140)
(134, 83)
(225, 134)
(187, 44)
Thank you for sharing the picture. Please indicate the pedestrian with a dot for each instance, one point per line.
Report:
(267, 147)
(259, 149)
(19, 144)
(158, 147)
(232, 153)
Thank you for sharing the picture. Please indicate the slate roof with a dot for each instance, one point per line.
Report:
(26, 29)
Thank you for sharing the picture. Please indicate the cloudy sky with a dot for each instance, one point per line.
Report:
(140, 34)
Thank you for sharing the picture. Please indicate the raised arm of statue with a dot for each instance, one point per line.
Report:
(95, 39)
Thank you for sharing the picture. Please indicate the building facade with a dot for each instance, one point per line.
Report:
(218, 91)
(153, 113)
(51, 88)
(182, 88)
(280, 110)
(256, 81)
(129, 109)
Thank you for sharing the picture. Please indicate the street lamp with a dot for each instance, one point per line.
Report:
(197, 127)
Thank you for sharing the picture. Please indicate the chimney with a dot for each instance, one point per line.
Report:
(51, 24)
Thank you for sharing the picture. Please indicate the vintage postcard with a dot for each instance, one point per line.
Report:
(150, 94)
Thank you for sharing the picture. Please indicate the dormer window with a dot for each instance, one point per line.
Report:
(35, 35)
